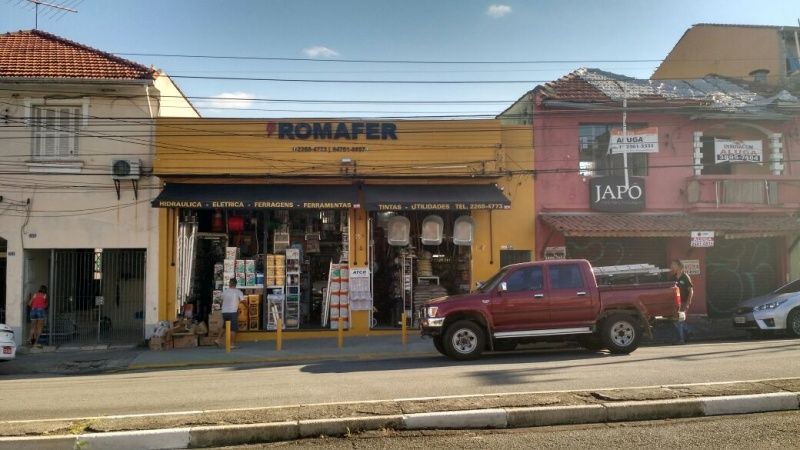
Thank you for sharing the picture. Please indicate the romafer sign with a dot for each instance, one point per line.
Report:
(332, 130)
(639, 140)
(610, 194)
(726, 150)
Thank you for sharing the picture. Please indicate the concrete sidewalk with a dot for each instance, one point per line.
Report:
(514, 410)
(295, 350)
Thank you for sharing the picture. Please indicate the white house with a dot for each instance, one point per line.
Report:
(76, 149)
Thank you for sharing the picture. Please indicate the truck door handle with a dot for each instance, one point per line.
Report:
(581, 293)
(538, 295)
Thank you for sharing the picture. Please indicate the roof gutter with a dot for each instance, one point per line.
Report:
(78, 81)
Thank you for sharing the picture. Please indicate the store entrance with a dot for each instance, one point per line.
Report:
(281, 260)
(413, 266)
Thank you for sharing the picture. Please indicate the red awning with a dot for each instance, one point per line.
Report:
(670, 225)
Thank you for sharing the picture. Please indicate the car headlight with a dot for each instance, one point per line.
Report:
(770, 305)
(432, 310)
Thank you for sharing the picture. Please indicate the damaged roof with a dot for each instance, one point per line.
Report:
(587, 85)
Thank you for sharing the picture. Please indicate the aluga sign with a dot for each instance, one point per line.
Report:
(612, 195)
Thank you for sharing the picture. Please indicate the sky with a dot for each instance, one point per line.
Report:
(622, 36)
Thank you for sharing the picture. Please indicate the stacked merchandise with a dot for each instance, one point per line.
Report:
(275, 270)
(463, 272)
(338, 297)
(253, 311)
(181, 333)
(216, 328)
(424, 265)
(292, 307)
(243, 316)
(274, 304)
(249, 273)
(229, 264)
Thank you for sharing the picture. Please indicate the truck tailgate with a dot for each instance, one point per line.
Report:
(657, 298)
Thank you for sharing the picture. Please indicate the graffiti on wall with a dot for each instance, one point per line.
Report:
(739, 269)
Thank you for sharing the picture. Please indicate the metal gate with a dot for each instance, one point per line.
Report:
(739, 269)
(97, 296)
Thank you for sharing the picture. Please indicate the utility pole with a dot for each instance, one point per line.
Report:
(49, 5)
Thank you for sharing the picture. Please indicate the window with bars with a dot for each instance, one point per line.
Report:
(55, 131)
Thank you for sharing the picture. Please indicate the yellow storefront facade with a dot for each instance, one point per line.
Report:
(416, 207)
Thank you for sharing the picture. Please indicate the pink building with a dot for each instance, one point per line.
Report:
(704, 155)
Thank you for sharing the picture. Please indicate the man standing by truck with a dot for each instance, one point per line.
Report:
(686, 287)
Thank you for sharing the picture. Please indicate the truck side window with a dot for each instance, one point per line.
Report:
(525, 279)
(565, 276)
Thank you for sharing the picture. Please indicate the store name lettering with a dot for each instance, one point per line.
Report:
(333, 130)
(176, 204)
(227, 204)
(263, 204)
(327, 205)
(609, 192)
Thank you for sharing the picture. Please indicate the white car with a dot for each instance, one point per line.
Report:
(8, 348)
(777, 311)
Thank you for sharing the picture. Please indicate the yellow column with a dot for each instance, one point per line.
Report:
(227, 336)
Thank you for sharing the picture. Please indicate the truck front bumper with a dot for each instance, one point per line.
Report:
(432, 326)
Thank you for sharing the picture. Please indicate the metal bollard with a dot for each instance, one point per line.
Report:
(404, 329)
(279, 335)
(340, 333)
(227, 336)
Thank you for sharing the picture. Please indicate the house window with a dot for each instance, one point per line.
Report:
(55, 131)
(595, 159)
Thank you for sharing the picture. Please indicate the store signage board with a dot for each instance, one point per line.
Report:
(332, 130)
(639, 140)
(555, 253)
(438, 206)
(259, 204)
(702, 239)
(610, 194)
(691, 267)
(727, 150)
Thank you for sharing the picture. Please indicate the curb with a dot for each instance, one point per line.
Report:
(286, 359)
(228, 435)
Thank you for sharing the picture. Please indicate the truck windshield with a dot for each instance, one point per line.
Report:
(492, 282)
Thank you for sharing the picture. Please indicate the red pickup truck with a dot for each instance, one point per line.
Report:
(547, 300)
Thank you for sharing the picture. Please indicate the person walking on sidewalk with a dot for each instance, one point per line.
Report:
(686, 287)
(231, 297)
(38, 305)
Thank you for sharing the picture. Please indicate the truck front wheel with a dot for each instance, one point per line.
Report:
(464, 340)
(438, 342)
(621, 333)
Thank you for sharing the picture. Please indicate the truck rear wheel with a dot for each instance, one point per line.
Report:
(464, 340)
(621, 333)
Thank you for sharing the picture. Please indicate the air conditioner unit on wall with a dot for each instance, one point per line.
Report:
(126, 169)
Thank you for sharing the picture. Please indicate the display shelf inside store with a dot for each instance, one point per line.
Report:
(292, 303)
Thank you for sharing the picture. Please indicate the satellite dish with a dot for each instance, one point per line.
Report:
(399, 229)
(432, 230)
(464, 231)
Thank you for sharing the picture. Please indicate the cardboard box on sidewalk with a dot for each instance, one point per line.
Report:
(158, 343)
(208, 341)
(184, 340)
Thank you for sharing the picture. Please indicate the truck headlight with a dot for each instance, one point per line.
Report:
(770, 305)
(432, 310)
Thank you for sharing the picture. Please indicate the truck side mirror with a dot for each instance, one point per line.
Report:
(503, 287)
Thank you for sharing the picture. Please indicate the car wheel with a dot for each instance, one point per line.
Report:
(592, 343)
(504, 345)
(793, 323)
(438, 342)
(464, 340)
(621, 333)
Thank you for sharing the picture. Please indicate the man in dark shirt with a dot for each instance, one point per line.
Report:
(687, 293)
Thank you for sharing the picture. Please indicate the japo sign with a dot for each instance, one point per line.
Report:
(610, 194)
(702, 239)
(726, 150)
(640, 140)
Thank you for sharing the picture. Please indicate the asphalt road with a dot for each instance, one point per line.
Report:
(754, 431)
(257, 386)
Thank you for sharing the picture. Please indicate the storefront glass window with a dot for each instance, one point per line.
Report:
(595, 160)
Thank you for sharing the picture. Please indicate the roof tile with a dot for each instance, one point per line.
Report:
(37, 54)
